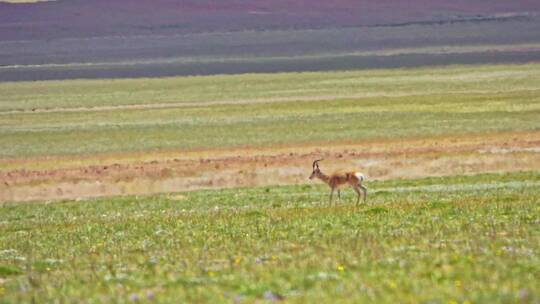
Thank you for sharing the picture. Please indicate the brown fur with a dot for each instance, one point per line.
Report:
(340, 179)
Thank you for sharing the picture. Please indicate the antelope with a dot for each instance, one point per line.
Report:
(337, 180)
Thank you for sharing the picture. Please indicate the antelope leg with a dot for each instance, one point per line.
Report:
(355, 188)
(364, 189)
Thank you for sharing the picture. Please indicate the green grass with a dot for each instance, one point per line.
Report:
(248, 87)
(441, 240)
(381, 104)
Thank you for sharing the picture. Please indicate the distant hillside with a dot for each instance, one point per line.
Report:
(83, 18)
(135, 38)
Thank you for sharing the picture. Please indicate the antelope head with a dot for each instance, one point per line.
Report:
(316, 171)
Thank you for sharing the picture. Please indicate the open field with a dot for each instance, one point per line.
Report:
(68, 177)
(242, 125)
(173, 92)
(185, 112)
(459, 239)
(80, 138)
(159, 151)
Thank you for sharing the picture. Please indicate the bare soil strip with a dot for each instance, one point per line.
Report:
(75, 177)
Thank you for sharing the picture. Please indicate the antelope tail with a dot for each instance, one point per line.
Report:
(360, 176)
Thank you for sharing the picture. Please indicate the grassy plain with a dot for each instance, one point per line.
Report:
(441, 240)
(455, 239)
(93, 116)
(245, 88)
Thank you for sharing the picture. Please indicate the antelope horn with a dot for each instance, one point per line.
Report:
(315, 163)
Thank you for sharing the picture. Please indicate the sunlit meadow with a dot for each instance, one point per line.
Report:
(437, 240)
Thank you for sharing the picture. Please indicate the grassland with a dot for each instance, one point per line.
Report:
(452, 153)
(457, 239)
(260, 87)
(93, 116)
(440, 240)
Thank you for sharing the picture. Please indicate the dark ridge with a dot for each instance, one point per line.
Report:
(474, 19)
(326, 64)
(99, 18)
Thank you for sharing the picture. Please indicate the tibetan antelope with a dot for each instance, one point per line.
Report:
(337, 180)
